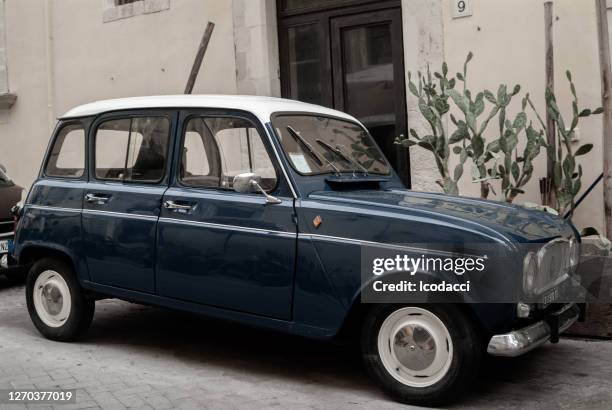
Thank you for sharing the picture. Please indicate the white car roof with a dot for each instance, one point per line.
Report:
(262, 107)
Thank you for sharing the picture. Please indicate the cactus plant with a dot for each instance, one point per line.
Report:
(432, 96)
(567, 173)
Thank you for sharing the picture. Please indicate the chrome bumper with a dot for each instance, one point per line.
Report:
(521, 341)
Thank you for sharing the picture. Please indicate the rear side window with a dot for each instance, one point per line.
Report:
(132, 149)
(67, 157)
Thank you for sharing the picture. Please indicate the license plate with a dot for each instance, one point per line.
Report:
(5, 246)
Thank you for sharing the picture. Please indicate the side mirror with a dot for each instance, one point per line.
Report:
(245, 183)
(251, 182)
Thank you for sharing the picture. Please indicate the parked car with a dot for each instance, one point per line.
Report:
(255, 210)
(10, 195)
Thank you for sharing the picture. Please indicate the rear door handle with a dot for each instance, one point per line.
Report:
(177, 206)
(97, 198)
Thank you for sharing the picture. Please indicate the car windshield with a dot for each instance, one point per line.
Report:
(321, 145)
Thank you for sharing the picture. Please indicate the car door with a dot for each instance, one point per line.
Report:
(217, 246)
(121, 204)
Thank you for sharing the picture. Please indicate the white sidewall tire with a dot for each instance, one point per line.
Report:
(418, 318)
(448, 374)
(58, 306)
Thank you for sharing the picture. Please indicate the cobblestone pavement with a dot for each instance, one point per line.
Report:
(143, 357)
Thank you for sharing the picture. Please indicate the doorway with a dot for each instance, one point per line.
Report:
(348, 55)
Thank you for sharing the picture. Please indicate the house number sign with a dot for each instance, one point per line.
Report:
(461, 8)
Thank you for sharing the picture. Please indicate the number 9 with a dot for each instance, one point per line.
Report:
(461, 6)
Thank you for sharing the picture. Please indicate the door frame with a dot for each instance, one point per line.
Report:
(378, 17)
(322, 13)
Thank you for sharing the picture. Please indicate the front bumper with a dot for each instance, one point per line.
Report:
(523, 340)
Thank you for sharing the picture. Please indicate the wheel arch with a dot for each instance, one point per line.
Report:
(351, 326)
(30, 254)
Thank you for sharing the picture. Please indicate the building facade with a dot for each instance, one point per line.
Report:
(353, 55)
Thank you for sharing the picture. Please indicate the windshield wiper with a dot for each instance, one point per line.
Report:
(351, 159)
(311, 150)
(305, 144)
(340, 154)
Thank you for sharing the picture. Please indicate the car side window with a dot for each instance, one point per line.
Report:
(215, 150)
(132, 149)
(67, 157)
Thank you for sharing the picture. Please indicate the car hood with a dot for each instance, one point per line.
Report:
(9, 196)
(514, 222)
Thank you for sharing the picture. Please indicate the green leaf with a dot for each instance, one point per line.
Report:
(427, 112)
(585, 113)
(520, 121)
(478, 106)
(577, 186)
(598, 110)
(478, 145)
(469, 57)
(460, 101)
(444, 68)
(459, 134)
(515, 171)
(475, 173)
(585, 149)
(413, 89)
(516, 90)
(493, 146)
(406, 143)
(460, 77)
(450, 187)
(457, 150)
(502, 94)
(458, 172)
(490, 97)
(568, 166)
(569, 75)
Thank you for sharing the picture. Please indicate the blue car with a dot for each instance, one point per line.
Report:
(262, 211)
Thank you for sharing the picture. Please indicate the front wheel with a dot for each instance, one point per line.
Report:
(423, 355)
(57, 305)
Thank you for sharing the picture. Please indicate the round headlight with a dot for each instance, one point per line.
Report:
(574, 252)
(530, 268)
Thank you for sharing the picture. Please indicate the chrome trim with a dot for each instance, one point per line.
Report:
(523, 340)
(7, 234)
(280, 163)
(6, 222)
(234, 228)
(361, 242)
(52, 208)
(120, 214)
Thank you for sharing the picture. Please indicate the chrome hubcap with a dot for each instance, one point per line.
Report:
(415, 347)
(52, 299)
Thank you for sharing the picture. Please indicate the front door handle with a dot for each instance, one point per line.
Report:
(176, 206)
(97, 198)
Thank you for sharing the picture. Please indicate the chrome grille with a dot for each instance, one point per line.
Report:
(553, 264)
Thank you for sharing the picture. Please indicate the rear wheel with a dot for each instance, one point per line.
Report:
(422, 354)
(58, 306)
